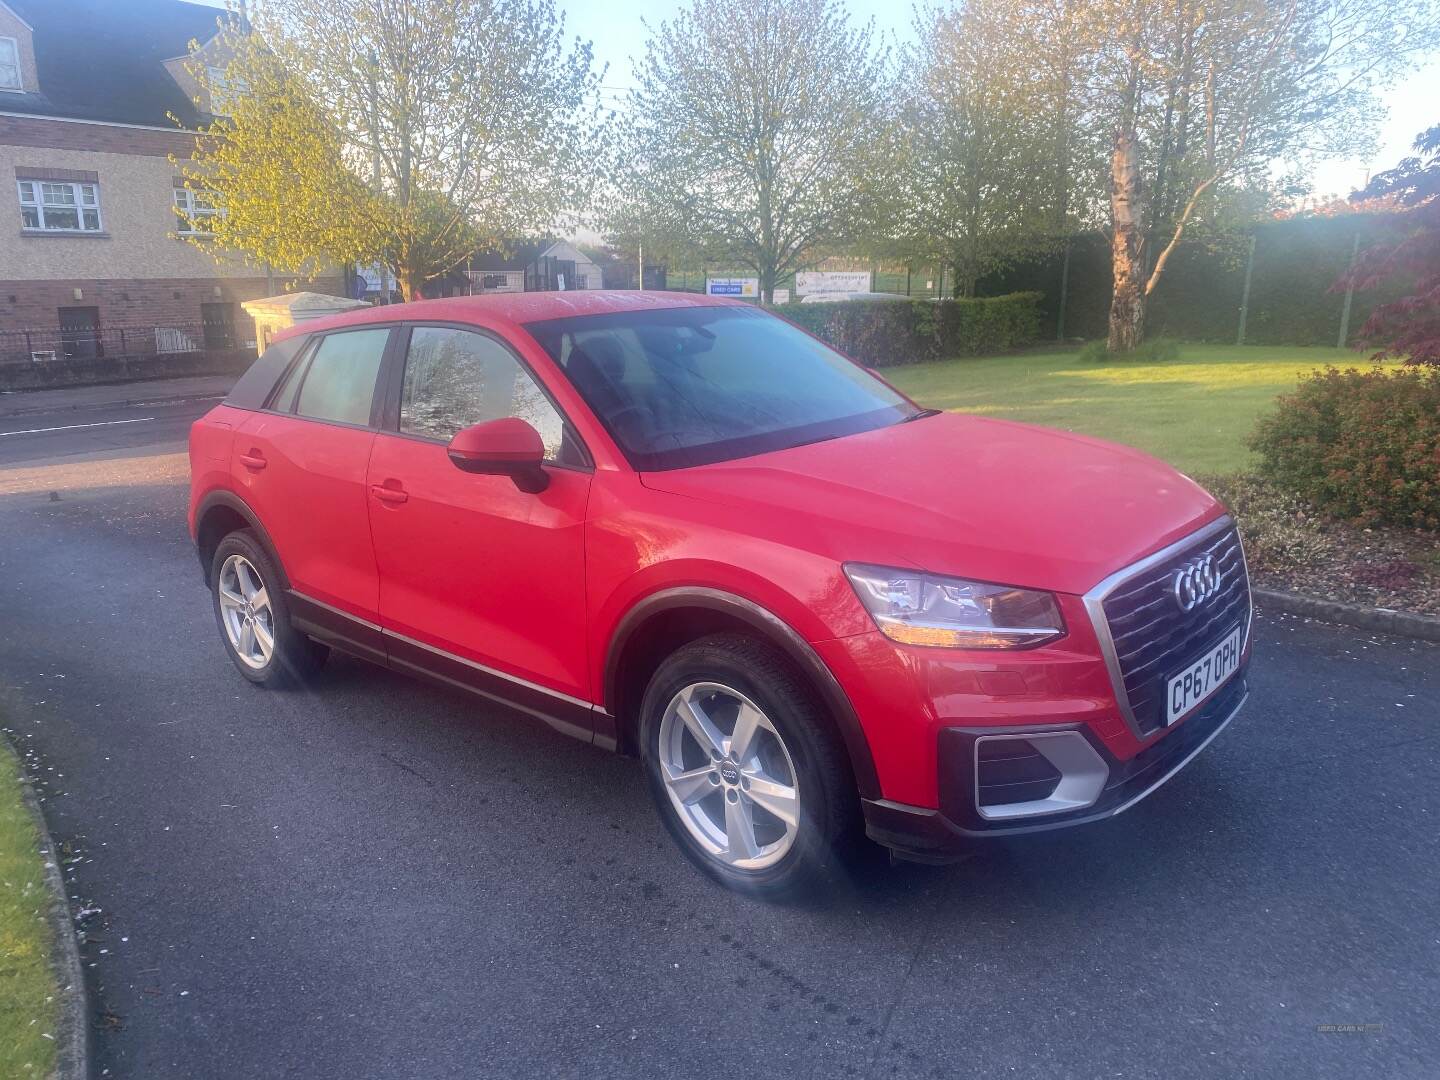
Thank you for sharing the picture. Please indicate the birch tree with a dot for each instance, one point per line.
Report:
(1203, 96)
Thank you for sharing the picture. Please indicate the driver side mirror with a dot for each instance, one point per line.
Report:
(506, 447)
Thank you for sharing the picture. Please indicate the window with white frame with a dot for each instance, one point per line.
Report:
(196, 209)
(223, 90)
(9, 64)
(59, 206)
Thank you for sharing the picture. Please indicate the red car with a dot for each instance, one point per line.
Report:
(683, 529)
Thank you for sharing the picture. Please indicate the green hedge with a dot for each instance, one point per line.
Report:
(886, 333)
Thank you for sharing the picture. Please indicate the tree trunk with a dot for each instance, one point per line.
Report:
(768, 274)
(409, 281)
(1127, 245)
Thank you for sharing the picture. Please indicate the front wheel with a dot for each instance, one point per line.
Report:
(746, 773)
(254, 620)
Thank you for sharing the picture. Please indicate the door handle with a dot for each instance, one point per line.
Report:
(253, 460)
(394, 495)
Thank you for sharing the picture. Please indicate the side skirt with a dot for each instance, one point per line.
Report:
(353, 635)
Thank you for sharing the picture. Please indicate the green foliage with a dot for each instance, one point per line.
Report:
(991, 152)
(1361, 445)
(1158, 350)
(884, 333)
(755, 135)
(361, 130)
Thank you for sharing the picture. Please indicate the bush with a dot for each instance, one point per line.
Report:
(1155, 351)
(1360, 445)
(885, 333)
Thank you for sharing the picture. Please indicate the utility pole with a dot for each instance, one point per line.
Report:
(1245, 293)
(375, 165)
(1349, 294)
(641, 260)
(1064, 294)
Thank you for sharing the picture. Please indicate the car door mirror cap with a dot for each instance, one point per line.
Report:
(505, 447)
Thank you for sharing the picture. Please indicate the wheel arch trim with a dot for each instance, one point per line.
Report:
(230, 501)
(773, 629)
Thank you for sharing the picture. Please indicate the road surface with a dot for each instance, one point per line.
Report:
(376, 878)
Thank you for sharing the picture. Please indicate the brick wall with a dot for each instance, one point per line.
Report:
(105, 138)
(140, 302)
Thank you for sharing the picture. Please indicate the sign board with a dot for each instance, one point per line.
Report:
(735, 286)
(827, 281)
(782, 296)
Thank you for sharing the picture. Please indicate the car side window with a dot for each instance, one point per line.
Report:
(339, 384)
(285, 397)
(456, 378)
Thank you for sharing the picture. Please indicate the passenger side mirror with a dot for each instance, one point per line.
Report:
(506, 447)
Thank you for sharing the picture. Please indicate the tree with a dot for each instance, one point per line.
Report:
(991, 150)
(753, 134)
(1200, 98)
(400, 133)
(1408, 327)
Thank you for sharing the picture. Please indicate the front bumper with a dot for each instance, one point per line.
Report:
(959, 826)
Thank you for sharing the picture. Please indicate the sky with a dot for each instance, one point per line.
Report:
(616, 28)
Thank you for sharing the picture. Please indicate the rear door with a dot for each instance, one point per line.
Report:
(300, 464)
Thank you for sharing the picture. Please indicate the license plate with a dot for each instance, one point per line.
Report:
(1207, 674)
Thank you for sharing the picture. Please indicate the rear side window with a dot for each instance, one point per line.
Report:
(255, 385)
(339, 384)
(456, 378)
(285, 398)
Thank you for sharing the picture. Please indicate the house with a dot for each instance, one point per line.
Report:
(533, 266)
(92, 259)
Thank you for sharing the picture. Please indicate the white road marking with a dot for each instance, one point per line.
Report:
(72, 427)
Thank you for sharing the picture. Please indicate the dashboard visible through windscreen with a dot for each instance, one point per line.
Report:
(690, 386)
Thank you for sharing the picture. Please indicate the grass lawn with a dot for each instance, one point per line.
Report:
(1194, 412)
(29, 1006)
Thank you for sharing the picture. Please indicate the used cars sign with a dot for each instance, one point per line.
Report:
(740, 286)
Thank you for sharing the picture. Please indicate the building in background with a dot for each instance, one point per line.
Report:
(533, 266)
(92, 260)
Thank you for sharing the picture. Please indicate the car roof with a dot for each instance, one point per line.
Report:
(513, 308)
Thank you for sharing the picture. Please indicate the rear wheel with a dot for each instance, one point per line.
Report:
(744, 770)
(253, 617)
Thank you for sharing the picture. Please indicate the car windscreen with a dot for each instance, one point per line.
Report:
(690, 386)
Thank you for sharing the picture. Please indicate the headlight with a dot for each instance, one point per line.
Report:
(922, 609)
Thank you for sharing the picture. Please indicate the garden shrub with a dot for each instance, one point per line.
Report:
(886, 333)
(1360, 445)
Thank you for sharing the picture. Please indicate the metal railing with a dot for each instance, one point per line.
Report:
(60, 345)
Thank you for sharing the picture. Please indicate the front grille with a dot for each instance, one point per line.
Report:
(1154, 639)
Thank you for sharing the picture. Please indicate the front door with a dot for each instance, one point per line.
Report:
(300, 465)
(480, 580)
(80, 333)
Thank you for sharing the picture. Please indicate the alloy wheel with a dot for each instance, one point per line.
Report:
(246, 612)
(729, 776)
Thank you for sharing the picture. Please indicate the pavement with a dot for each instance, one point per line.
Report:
(377, 878)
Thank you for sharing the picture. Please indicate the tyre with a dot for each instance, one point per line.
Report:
(254, 620)
(747, 774)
